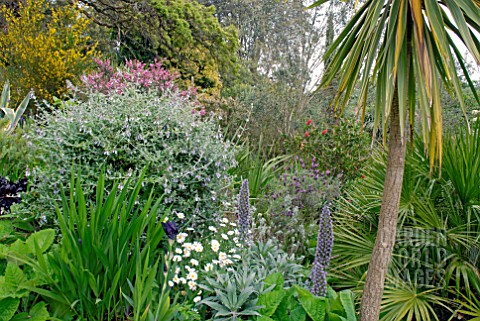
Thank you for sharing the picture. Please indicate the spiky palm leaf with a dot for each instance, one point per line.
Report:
(409, 45)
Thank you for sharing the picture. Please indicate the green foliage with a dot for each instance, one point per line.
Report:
(273, 109)
(252, 166)
(17, 157)
(342, 147)
(267, 258)
(148, 301)
(123, 133)
(435, 258)
(18, 279)
(293, 203)
(105, 247)
(297, 303)
(462, 163)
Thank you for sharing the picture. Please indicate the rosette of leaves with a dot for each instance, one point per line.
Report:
(234, 295)
(122, 133)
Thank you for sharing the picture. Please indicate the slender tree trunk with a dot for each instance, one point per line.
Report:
(387, 227)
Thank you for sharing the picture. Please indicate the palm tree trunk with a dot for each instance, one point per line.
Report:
(387, 228)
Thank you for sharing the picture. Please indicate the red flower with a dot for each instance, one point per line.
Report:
(324, 131)
(309, 122)
(363, 176)
(307, 134)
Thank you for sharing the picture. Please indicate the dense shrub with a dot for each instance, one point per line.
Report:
(342, 147)
(187, 155)
(42, 46)
(153, 76)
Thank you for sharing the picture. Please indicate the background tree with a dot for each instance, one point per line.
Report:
(280, 47)
(41, 47)
(398, 44)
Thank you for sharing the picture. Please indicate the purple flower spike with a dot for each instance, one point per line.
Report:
(323, 253)
(244, 216)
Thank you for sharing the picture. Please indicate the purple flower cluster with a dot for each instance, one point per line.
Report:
(323, 253)
(244, 216)
(135, 72)
(305, 188)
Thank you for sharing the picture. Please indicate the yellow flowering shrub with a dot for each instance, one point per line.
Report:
(42, 46)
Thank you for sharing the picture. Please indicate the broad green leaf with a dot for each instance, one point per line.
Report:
(14, 277)
(18, 248)
(39, 312)
(314, 306)
(270, 301)
(335, 317)
(264, 318)
(5, 98)
(43, 238)
(6, 228)
(346, 297)
(3, 251)
(274, 279)
(8, 307)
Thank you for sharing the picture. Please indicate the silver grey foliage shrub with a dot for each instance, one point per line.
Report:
(187, 154)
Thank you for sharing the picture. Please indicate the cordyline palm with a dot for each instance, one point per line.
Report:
(407, 49)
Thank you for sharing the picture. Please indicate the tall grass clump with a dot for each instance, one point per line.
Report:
(110, 252)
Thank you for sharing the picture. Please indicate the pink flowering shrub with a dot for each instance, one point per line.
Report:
(134, 73)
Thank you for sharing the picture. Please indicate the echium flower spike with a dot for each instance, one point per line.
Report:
(323, 253)
(244, 217)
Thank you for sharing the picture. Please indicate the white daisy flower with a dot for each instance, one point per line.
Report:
(170, 284)
(192, 285)
(198, 247)
(188, 246)
(197, 299)
(177, 258)
(225, 220)
(194, 262)
(215, 245)
(213, 229)
(192, 275)
(181, 216)
(224, 236)
(181, 237)
(222, 256)
(230, 233)
(208, 267)
(178, 250)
